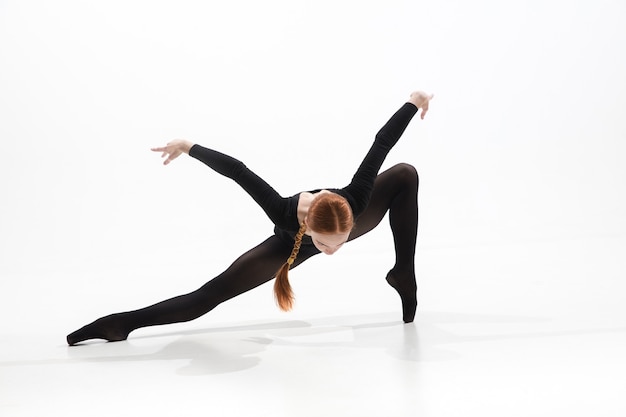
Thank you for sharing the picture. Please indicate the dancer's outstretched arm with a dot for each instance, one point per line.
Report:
(361, 186)
(280, 210)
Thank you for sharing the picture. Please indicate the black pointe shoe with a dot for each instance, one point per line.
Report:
(407, 290)
(105, 328)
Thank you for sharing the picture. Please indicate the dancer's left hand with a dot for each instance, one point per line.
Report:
(421, 101)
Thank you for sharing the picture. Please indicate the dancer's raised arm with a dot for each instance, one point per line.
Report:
(360, 188)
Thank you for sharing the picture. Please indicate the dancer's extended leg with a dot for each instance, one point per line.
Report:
(395, 190)
(250, 270)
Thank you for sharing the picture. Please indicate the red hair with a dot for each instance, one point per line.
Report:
(329, 213)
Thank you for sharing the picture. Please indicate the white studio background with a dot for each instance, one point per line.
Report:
(525, 140)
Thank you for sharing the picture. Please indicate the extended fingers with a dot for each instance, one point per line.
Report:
(425, 106)
(171, 156)
(165, 152)
(424, 110)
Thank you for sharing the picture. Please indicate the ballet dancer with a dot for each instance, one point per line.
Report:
(306, 224)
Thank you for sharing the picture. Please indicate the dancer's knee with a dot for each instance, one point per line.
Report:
(406, 173)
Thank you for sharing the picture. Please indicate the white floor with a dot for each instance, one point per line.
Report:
(537, 328)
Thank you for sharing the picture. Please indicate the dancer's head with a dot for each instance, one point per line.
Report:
(329, 221)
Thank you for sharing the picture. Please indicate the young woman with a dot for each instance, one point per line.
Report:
(305, 224)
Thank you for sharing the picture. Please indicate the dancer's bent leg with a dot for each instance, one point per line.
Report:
(395, 190)
(250, 270)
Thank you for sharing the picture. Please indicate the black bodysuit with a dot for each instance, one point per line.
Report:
(370, 195)
(283, 212)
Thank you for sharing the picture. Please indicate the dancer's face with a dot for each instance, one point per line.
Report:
(328, 243)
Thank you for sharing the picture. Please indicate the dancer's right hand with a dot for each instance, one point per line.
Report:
(173, 149)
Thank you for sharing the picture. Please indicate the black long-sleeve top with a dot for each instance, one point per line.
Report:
(283, 211)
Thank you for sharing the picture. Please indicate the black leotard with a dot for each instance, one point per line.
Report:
(283, 211)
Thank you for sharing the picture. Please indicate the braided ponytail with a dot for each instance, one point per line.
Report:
(282, 290)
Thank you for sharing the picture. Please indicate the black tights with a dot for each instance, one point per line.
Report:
(395, 190)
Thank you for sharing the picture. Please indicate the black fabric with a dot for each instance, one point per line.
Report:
(282, 211)
(370, 195)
